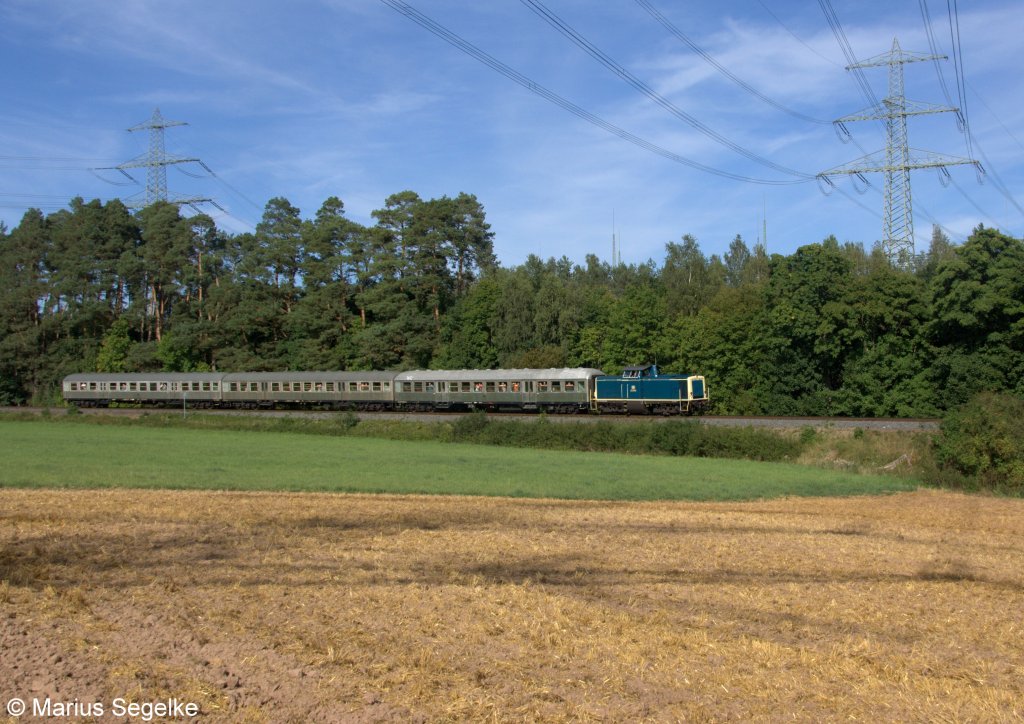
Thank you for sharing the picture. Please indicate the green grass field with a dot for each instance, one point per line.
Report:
(58, 454)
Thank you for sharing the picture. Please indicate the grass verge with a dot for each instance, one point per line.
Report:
(41, 453)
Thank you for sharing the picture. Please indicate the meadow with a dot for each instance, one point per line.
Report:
(63, 453)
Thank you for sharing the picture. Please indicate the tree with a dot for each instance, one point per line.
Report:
(977, 323)
(279, 238)
(23, 287)
(685, 275)
(116, 346)
(736, 260)
(804, 337)
(164, 253)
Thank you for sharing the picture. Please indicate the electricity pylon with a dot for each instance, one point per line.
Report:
(156, 162)
(898, 159)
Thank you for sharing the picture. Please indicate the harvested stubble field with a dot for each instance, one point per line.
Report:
(320, 607)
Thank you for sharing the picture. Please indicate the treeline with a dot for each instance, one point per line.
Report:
(830, 329)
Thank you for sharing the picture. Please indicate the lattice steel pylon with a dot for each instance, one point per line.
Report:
(156, 162)
(898, 159)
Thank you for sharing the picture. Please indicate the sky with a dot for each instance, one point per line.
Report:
(306, 100)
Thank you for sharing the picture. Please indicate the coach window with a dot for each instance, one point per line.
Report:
(329, 386)
(253, 386)
(417, 387)
(542, 386)
(430, 387)
(467, 387)
(503, 387)
(556, 386)
(570, 386)
(387, 386)
(215, 386)
(352, 387)
(206, 387)
(515, 387)
(364, 386)
(307, 386)
(489, 387)
(376, 386)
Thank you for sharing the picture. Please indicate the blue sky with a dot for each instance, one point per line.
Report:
(349, 98)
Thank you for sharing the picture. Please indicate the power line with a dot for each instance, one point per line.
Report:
(653, 12)
(552, 97)
(851, 57)
(569, 32)
(795, 36)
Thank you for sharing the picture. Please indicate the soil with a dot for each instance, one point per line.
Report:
(349, 608)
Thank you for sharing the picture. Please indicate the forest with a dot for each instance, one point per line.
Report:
(831, 329)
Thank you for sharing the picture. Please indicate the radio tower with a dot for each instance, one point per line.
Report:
(898, 159)
(156, 162)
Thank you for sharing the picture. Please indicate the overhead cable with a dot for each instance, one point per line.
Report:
(569, 32)
(548, 95)
(668, 25)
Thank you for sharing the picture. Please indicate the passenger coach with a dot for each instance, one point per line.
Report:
(153, 388)
(555, 390)
(337, 390)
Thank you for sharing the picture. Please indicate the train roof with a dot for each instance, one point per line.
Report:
(325, 376)
(557, 373)
(144, 376)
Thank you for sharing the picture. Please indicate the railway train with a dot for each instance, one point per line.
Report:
(638, 390)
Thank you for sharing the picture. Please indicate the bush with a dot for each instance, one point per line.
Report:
(981, 444)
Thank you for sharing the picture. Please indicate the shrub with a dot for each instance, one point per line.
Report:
(981, 444)
(469, 428)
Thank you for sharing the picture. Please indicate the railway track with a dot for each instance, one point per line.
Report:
(837, 423)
